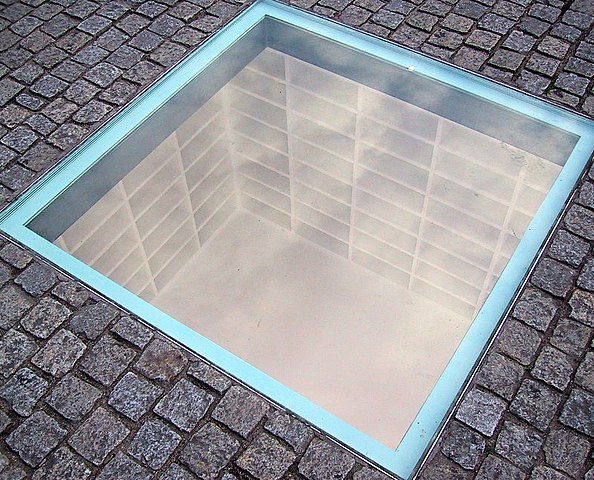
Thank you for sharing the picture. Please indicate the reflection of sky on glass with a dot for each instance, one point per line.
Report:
(423, 211)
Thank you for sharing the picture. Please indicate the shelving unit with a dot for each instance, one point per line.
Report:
(429, 204)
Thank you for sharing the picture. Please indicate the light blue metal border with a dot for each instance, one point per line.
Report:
(403, 461)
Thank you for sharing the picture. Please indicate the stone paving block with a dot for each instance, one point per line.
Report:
(184, 405)
(500, 375)
(15, 348)
(112, 39)
(463, 446)
(16, 177)
(566, 451)
(60, 110)
(122, 467)
(67, 136)
(189, 37)
(161, 360)
(519, 444)
(13, 305)
(578, 411)
(72, 292)
(585, 372)
(93, 319)
(210, 376)
(94, 25)
(60, 353)
(568, 248)
(103, 74)
(73, 398)
(62, 464)
(367, 473)
(42, 125)
(74, 41)
(570, 336)
(265, 458)
(81, 91)
(8, 90)
(97, 436)
(36, 279)
(441, 468)
(143, 72)
(119, 93)
(20, 139)
(586, 278)
(92, 112)
(495, 468)
(153, 444)
(481, 411)
(535, 308)
(45, 317)
(107, 360)
(23, 390)
(5, 421)
(209, 451)
(15, 256)
(125, 57)
(133, 396)
(132, 24)
(91, 55)
(518, 341)
(133, 331)
(553, 277)
(536, 403)
(542, 472)
(290, 429)
(35, 438)
(241, 410)
(176, 472)
(41, 155)
(580, 221)
(151, 9)
(553, 367)
(323, 460)
(586, 195)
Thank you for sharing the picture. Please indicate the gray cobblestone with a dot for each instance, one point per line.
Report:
(112, 39)
(536, 403)
(36, 279)
(20, 139)
(323, 460)
(542, 472)
(44, 126)
(210, 376)
(209, 451)
(107, 360)
(15, 256)
(495, 468)
(23, 390)
(67, 136)
(566, 451)
(132, 331)
(93, 319)
(481, 411)
(176, 472)
(60, 110)
(60, 353)
(568, 248)
(13, 304)
(519, 342)
(119, 93)
(532, 82)
(73, 398)
(161, 361)
(103, 74)
(62, 464)
(80, 92)
(578, 412)
(553, 367)
(125, 57)
(92, 112)
(123, 467)
(519, 444)
(74, 41)
(35, 438)
(571, 337)
(290, 429)
(94, 25)
(153, 444)
(585, 372)
(15, 348)
(184, 405)
(71, 292)
(240, 410)
(91, 55)
(45, 317)
(98, 436)
(133, 396)
(586, 277)
(553, 277)
(535, 308)
(463, 446)
(266, 458)
(580, 221)
(16, 177)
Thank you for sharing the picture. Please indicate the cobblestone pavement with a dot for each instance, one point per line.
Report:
(86, 391)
